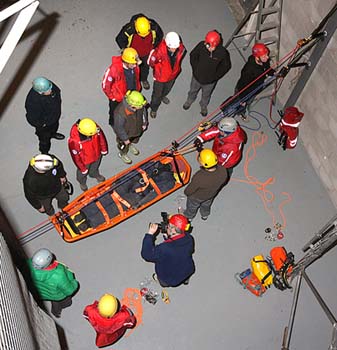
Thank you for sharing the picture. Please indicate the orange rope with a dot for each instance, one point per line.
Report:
(133, 300)
(261, 188)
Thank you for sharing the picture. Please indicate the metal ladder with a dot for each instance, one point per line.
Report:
(262, 23)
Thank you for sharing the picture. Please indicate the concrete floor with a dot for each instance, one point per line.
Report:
(72, 42)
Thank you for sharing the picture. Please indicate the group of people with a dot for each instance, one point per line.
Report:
(144, 46)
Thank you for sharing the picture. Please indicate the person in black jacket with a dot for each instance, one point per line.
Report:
(43, 111)
(210, 61)
(143, 34)
(43, 181)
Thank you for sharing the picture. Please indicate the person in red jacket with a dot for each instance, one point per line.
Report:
(109, 319)
(166, 63)
(228, 142)
(87, 144)
(121, 76)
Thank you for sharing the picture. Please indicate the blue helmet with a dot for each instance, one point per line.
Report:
(42, 84)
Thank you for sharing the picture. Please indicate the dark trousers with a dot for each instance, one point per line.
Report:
(45, 134)
(193, 204)
(58, 306)
(62, 200)
(160, 90)
(92, 172)
(112, 107)
(144, 68)
(123, 148)
(206, 92)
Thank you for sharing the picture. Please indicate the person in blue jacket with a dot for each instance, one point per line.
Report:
(173, 257)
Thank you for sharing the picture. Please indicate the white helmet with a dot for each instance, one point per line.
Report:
(42, 258)
(172, 40)
(43, 162)
(227, 124)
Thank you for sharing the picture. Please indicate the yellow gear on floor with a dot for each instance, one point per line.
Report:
(262, 270)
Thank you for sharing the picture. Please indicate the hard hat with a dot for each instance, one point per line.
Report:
(107, 305)
(172, 40)
(42, 84)
(43, 162)
(87, 127)
(207, 158)
(213, 39)
(227, 124)
(130, 55)
(42, 258)
(142, 26)
(135, 99)
(292, 115)
(180, 221)
(259, 49)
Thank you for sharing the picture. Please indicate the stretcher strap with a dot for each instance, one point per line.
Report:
(118, 200)
(151, 181)
(102, 209)
(146, 181)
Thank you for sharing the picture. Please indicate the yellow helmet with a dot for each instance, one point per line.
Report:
(207, 158)
(135, 99)
(87, 127)
(130, 55)
(107, 305)
(142, 26)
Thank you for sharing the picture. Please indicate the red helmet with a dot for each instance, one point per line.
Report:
(180, 221)
(213, 39)
(292, 115)
(259, 50)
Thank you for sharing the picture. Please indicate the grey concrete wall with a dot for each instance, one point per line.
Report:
(318, 131)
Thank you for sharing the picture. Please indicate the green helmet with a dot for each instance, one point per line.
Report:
(42, 84)
(135, 99)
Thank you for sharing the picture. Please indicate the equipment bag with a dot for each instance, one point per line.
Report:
(283, 263)
(250, 282)
(262, 270)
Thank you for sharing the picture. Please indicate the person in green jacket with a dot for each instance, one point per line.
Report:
(52, 280)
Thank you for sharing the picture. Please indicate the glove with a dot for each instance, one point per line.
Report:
(198, 145)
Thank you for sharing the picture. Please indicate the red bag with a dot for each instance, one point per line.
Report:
(250, 282)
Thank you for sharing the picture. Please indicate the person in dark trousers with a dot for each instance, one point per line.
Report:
(143, 34)
(228, 143)
(172, 258)
(121, 76)
(130, 121)
(166, 63)
(43, 181)
(205, 185)
(52, 280)
(109, 319)
(43, 111)
(257, 64)
(87, 144)
(210, 61)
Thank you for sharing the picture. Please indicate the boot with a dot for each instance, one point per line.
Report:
(133, 149)
(124, 158)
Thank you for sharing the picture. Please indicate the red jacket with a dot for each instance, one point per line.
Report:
(160, 62)
(109, 330)
(85, 152)
(289, 125)
(114, 82)
(228, 149)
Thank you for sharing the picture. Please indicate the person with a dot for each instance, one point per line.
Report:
(228, 142)
(210, 61)
(43, 181)
(52, 280)
(121, 76)
(130, 121)
(143, 34)
(109, 319)
(258, 63)
(87, 144)
(43, 111)
(166, 63)
(205, 185)
(173, 260)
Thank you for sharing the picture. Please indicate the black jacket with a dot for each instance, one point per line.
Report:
(129, 29)
(42, 186)
(250, 71)
(43, 110)
(208, 67)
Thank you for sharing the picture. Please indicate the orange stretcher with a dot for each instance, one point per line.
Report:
(122, 196)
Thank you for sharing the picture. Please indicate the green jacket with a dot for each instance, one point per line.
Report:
(55, 284)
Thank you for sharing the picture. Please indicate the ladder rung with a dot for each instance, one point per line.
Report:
(269, 10)
(269, 40)
(267, 26)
